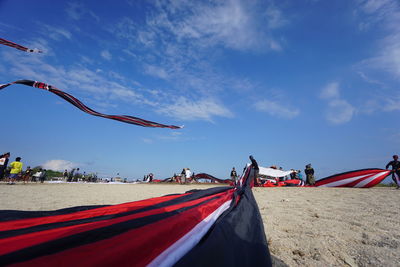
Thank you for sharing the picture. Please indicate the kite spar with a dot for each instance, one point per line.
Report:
(84, 108)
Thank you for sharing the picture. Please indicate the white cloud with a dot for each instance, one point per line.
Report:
(384, 15)
(338, 110)
(56, 33)
(59, 165)
(77, 10)
(204, 109)
(277, 109)
(106, 55)
(330, 91)
(234, 24)
(156, 71)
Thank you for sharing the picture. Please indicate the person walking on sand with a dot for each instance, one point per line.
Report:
(309, 171)
(3, 164)
(16, 169)
(395, 163)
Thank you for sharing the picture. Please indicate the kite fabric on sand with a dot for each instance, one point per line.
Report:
(364, 178)
(220, 226)
(19, 47)
(84, 108)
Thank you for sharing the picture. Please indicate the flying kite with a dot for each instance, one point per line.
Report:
(84, 108)
(220, 226)
(19, 47)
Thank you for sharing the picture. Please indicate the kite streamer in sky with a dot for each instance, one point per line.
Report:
(81, 106)
(220, 226)
(19, 47)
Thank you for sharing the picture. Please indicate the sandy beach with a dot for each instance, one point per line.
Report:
(304, 226)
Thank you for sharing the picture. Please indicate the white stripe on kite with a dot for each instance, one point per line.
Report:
(343, 181)
(368, 180)
(176, 251)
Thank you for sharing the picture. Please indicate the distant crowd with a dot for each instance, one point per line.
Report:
(12, 172)
(295, 174)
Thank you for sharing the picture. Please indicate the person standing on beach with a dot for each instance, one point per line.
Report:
(3, 164)
(71, 175)
(183, 176)
(65, 175)
(16, 169)
(43, 176)
(76, 175)
(233, 176)
(27, 174)
(395, 163)
(309, 171)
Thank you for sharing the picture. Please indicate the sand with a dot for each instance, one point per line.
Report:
(304, 226)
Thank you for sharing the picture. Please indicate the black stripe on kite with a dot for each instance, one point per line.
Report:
(74, 101)
(19, 47)
(88, 237)
(43, 227)
(236, 239)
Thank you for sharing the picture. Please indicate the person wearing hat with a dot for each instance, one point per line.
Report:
(16, 169)
(395, 163)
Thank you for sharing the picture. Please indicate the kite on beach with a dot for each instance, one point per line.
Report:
(364, 178)
(81, 106)
(19, 47)
(220, 226)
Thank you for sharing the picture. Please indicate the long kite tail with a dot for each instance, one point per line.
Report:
(84, 108)
(19, 47)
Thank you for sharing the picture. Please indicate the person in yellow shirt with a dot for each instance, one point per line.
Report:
(16, 169)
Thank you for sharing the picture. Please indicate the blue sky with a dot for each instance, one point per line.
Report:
(290, 82)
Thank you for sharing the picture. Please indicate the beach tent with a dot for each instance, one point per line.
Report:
(271, 172)
(219, 226)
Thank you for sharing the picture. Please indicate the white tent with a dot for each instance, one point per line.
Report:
(273, 172)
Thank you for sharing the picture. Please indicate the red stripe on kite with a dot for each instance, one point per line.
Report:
(136, 247)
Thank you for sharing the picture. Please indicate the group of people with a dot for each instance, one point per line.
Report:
(186, 176)
(14, 171)
(75, 175)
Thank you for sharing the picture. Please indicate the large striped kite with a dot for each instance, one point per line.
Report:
(19, 47)
(84, 108)
(219, 226)
(364, 178)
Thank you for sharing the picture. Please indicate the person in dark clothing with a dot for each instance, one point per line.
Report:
(3, 164)
(233, 175)
(395, 163)
(71, 175)
(65, 175)
(309, 171)
(43, 176)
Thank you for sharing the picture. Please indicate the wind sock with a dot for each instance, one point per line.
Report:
(219, 226)
(364, 178)
(19, 47)
(81, 106)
